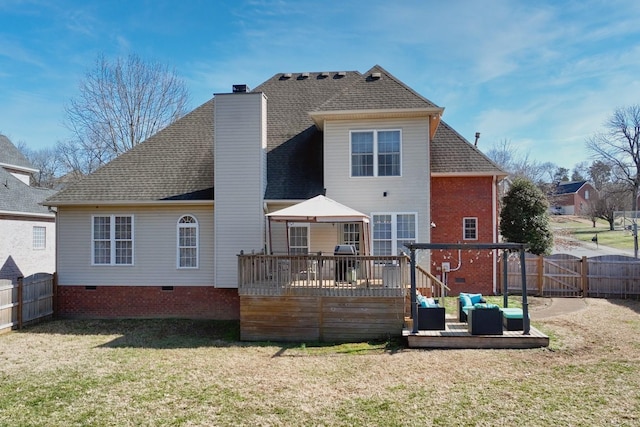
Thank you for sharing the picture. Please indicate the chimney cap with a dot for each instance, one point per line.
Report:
(240, 88)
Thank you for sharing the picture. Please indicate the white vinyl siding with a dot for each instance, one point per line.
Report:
(154, 250)
(409, 192)
(187, 242)
(112, 239)
(239, 163)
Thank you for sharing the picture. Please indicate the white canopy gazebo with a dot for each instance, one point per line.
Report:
(320, 209)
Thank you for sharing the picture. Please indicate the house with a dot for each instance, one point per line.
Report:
(27, 228)
(157, 231)
(572, 198)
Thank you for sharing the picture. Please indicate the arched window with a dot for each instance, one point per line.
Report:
(187, 242)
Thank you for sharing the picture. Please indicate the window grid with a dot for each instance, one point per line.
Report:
(351, 235)
(375, 153)
(299, 240)
(470, 228)
(188, 242)
(393, 230)
(39, 237)
(113, 240)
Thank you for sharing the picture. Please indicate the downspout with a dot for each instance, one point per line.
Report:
(494, 215)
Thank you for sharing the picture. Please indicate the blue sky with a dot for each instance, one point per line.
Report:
(544, 75)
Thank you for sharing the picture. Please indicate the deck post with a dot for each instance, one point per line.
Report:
(414, 299)
(525, 305)
(505, 281)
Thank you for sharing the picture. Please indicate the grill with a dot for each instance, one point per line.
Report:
(345, 267)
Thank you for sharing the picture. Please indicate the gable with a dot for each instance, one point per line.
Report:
(177, 163)
(12, 158)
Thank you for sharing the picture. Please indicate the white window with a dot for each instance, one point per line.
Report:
(39, 237)
(112, 240)
(188, 242)
(299, 239)
(391, 231)
(586, 194)
(375, 153)
(470, 228)
(351, 235)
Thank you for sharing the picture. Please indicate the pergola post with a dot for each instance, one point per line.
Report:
(414, 296)
(505, 281)
(525, 305)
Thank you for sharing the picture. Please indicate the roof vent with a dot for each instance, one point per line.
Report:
(240, 88)
(375, 76)
(304, 76)
(286, 76)
(340, 74)
(323, 75)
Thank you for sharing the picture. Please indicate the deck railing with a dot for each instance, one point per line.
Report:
(319, 274)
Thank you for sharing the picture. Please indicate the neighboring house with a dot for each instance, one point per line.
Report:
(145, 236)
(27, 228)
(572, 198)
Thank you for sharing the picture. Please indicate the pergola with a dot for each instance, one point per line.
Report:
(320, 209)
(506, 247)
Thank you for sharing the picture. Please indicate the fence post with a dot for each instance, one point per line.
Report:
(540, 275)
(584, 273)
(20, 300)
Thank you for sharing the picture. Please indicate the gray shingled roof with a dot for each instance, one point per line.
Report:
(382, 93)
(10, 155)
(18, 197)
(452, 154)
(177, 162)
(569, 187)
(294, 159)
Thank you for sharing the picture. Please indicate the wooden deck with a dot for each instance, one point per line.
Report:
(456, 336)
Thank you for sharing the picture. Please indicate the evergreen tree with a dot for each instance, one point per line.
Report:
(524, 217)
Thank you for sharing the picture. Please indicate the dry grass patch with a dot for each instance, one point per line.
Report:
(195, 373)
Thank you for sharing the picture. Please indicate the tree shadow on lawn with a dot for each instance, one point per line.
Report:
(185, 333)
(149, 333)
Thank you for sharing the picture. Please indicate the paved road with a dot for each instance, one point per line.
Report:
(567, 245)
(558, 307)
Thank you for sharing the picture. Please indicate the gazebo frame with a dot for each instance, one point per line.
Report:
(505, 247)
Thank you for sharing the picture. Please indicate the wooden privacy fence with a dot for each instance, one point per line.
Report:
(29, 300)
(609, 276)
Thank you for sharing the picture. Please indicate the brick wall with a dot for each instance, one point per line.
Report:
(192, 302)
(454, 198)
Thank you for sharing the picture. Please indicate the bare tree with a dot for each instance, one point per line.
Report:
(48, 163)
(612, 197)
(518, 164)
(580, 171)
(600, 173)
(121, 103)
(619, 146)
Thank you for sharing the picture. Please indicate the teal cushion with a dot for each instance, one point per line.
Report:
(466, 301)
(422, 301)
(475, 298)
(512, 313)
(484, 305)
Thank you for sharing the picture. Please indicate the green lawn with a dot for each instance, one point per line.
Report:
(192, 373)
(583, 230)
